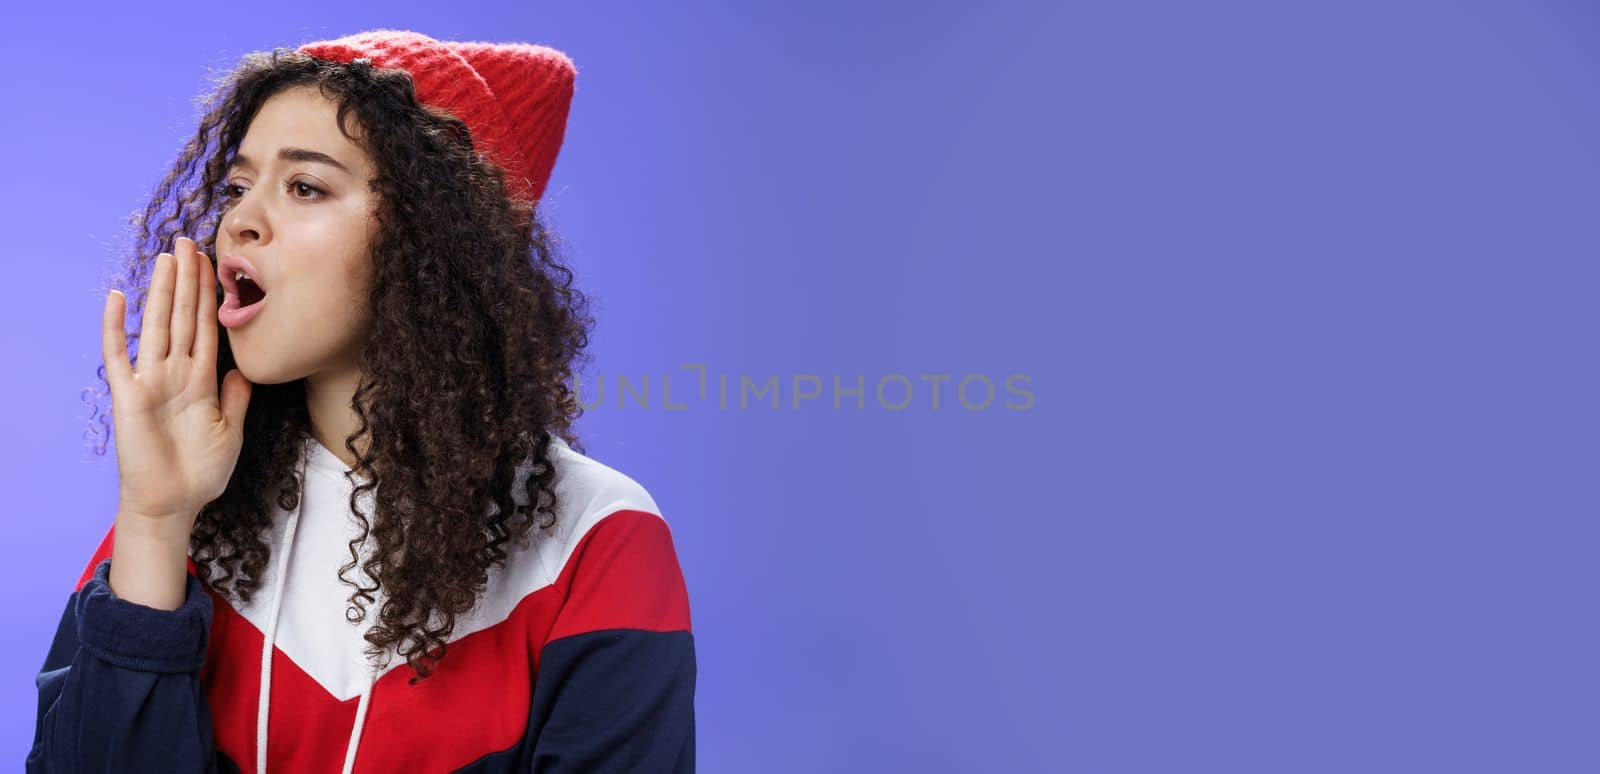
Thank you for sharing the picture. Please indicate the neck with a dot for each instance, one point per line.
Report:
(329, 399)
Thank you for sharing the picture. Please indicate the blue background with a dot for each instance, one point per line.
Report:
(1303, 293)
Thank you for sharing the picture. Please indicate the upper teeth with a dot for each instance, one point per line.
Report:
(241, 275)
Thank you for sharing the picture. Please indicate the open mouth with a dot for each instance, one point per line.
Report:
(242, 298)
(249, 291)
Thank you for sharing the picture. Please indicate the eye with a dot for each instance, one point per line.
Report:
(297, 186)
(227, 191)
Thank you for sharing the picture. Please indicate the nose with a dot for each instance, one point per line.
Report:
(245, 222)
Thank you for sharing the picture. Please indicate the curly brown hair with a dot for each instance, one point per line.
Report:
(476, 330)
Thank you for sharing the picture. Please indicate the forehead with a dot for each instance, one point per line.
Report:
(301, 117)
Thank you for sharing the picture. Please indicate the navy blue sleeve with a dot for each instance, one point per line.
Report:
(619, 700)
(120, 689)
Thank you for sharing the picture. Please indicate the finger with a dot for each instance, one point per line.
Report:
(205, 333)
(183, 303)
(157, 313)
(114, 341)
(235, 397)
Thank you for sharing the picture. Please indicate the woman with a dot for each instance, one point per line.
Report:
(354, 524)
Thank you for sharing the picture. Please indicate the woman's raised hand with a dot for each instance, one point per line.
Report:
(177, 443)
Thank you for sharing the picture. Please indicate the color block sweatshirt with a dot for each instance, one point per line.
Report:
(578, 658)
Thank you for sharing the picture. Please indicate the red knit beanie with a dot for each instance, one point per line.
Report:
(513, 97)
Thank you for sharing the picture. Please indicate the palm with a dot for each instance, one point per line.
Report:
(177, 443)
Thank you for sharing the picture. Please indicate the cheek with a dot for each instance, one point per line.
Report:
(355, 290)
(358, 278)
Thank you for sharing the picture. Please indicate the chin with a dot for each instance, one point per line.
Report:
(253, 371)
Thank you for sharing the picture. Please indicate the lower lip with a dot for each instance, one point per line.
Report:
(231, 316)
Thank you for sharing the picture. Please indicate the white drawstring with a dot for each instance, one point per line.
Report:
(263, 702)
(361, 718)
(264, 697)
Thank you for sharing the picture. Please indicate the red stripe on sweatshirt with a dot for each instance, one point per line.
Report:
(623, 574)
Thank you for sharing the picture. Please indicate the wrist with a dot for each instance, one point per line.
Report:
(162, 528)
(148, 562)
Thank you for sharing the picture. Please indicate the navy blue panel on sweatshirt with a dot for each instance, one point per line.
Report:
(608, 701)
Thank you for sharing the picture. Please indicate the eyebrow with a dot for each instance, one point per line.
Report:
(295, 154)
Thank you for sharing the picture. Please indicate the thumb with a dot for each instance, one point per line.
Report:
(235, 397)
